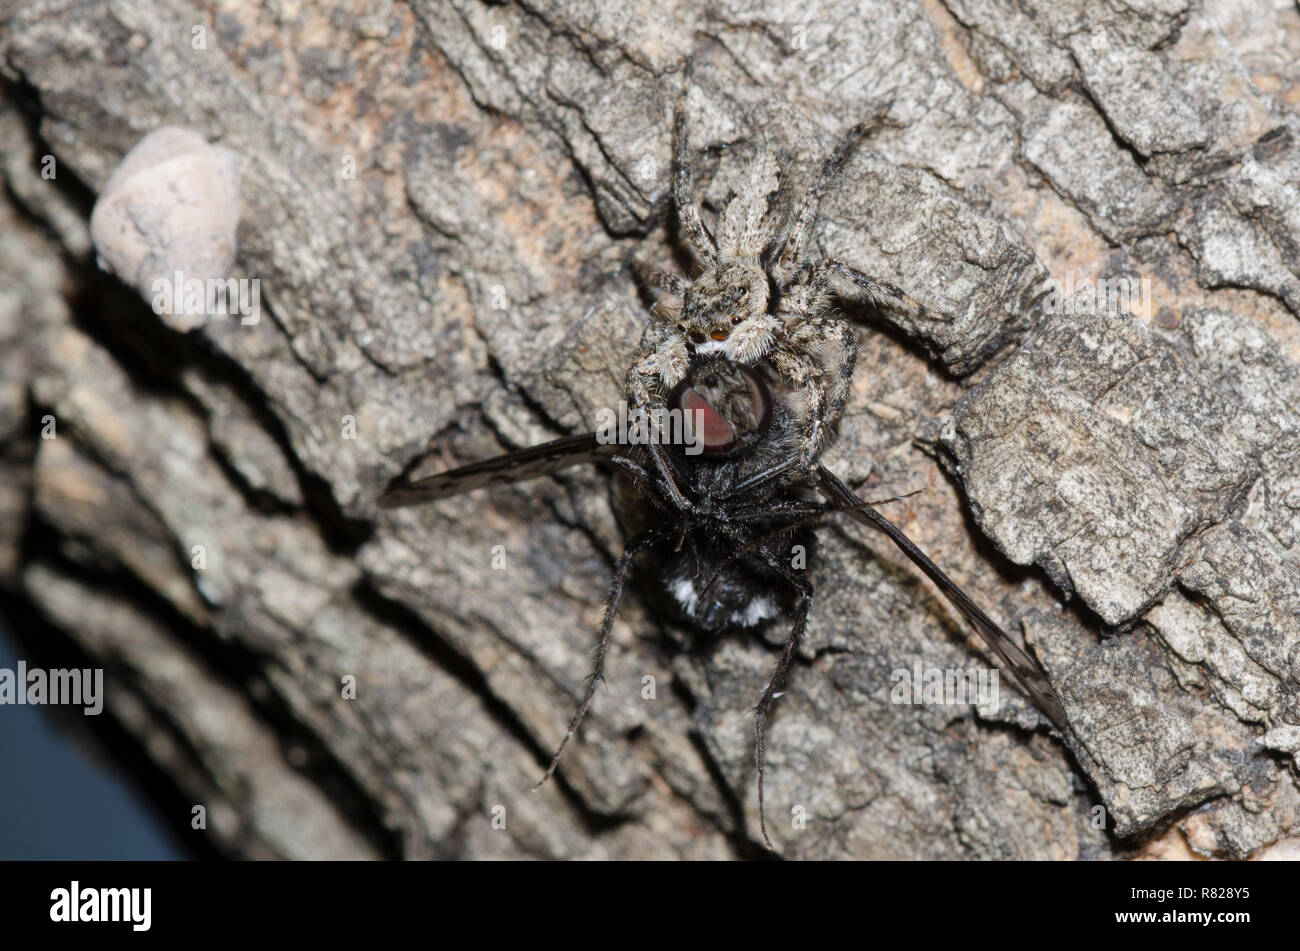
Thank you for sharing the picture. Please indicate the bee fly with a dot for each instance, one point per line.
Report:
(759, 357)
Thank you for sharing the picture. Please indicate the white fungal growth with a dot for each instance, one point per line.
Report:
(168, 214)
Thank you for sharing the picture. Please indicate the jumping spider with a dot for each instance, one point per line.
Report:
(759, 356)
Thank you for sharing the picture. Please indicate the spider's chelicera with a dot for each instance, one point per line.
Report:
(760, 357)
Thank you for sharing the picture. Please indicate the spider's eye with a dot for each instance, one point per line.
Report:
(719, 334)
(681, 328)
(736, 319)
(697, 336)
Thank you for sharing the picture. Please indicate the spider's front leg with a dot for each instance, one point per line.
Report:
(644, 400)
(815, 359)
(816, 356)
(878, 293)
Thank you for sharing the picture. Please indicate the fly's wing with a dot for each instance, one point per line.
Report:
(1013, 658)
(519, 466)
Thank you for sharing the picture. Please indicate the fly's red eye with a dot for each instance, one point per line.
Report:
(728, 405)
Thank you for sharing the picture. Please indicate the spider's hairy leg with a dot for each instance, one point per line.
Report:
(642, 401)
(667, 480)
(621, 570)
(763, 478)
(818, 355)
(688, 210)
(654, 277)
(877, 292)
(793, 249)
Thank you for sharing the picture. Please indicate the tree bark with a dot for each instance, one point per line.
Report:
(440, 201)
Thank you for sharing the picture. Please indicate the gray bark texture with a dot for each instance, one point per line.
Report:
(441, 200)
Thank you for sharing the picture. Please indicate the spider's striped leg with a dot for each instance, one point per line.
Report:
(688, 211)
(795, 243)
(877, 292)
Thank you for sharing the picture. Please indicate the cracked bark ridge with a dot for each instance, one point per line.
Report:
(1097, 453)
(440, 200)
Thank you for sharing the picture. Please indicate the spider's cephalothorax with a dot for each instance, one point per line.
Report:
(762, 301)
(759, 359)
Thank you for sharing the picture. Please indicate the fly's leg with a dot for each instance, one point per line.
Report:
(777, 683)
(644, 482)
(621, 570)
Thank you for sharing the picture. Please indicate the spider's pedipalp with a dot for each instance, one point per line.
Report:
(672, 283)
